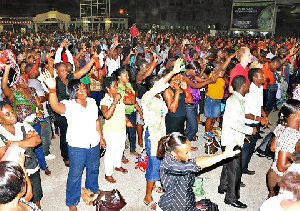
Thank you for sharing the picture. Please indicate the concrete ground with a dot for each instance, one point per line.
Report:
(132, 185)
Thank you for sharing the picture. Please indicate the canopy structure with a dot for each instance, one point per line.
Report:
(52, 17)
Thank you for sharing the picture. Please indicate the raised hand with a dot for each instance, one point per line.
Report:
(49, 81)
(183, 84)
(178, 66)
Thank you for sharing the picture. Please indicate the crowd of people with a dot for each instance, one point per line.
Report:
(151, 88)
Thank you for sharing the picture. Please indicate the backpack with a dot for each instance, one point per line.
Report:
(263, 150)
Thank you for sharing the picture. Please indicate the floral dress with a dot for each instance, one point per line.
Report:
(22, 105)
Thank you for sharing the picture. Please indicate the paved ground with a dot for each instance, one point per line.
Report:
(132, 185)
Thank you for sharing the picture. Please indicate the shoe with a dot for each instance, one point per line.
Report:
(67, 163)
(122, 170)
(50, 157)
(221, 191)
(248, 172)
(47, 171)
(135, 154)
(236, 204)
(125, 160)
(110, 179)
(242, 185)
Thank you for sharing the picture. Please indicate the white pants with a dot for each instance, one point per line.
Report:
(115, 145)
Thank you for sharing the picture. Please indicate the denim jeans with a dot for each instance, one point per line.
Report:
(97, 96)
(248, 148)
(153, 165)
(131, 131)
(271, 100)
(38, 150)
(191, 123)
(80, 157)
(46, 134)
(62, 123)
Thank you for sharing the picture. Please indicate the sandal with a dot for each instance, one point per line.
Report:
(125, 160)
(122, 170)
(88, 192)
(150, 205)
(159, 190)
(194, 148)
(47, 172)
(110, 179)
(86, 196)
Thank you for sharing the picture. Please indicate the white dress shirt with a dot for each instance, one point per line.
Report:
(234, 128)
(253, 102)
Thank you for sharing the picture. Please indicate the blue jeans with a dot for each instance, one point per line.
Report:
(38, 150)
(46, 134)
(271, 101)
(248, 148)
(191, 123)
(80, 157)
(153, 165)
(131, 131)
(97, 96)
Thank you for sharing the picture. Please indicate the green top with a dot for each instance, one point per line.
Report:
(85, 79)
(128, 108)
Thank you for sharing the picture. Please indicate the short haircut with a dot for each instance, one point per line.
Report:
(2, 104)
(12, 181)
(241, 52)
(107, 82)
(252, 72)
(72, 88)
(28, 68)
(150, 81)
(238, 82)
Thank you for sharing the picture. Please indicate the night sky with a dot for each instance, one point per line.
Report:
(32, 7)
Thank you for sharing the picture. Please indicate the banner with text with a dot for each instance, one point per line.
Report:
(253, 16)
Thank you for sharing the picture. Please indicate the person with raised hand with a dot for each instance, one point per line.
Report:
(154, 112)
(83, 150)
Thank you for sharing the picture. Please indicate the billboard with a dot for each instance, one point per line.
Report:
(253, 16)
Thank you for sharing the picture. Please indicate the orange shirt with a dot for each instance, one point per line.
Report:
(268, 73)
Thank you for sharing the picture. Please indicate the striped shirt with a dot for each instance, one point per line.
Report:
(177, 178)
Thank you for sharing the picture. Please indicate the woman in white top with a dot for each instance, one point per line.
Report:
(84, 136)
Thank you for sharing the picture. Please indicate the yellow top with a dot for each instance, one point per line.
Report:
(216, 90)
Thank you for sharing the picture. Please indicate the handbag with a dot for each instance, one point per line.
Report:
(207, 205)
(109, 201)
(211, 145)
(142, 162)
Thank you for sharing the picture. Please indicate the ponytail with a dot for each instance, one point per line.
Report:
(169, 143)
(289, 107)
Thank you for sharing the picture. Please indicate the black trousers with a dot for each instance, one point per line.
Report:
(62, 123)
(231, 177)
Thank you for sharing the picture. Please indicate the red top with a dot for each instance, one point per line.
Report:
(134, 31)
(239, 70)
